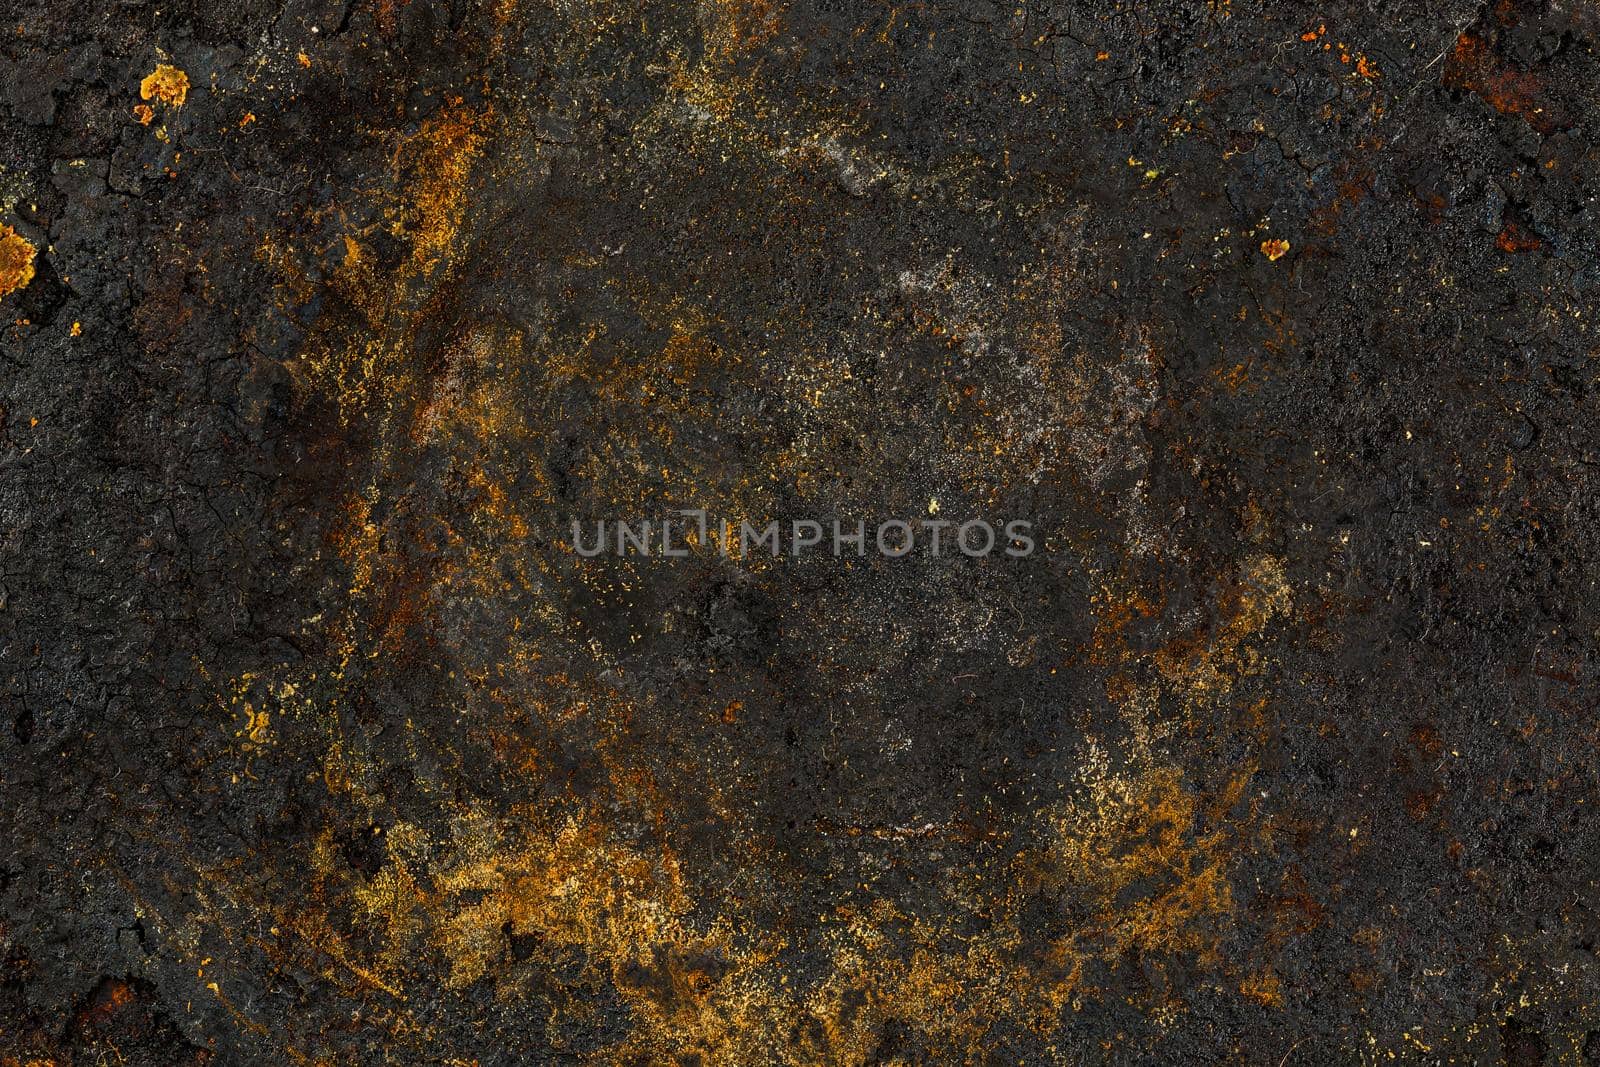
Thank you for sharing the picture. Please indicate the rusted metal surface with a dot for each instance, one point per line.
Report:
(322, 322)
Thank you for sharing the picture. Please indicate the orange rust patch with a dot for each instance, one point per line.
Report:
(166, 84)
(1157, 872)
(442, 154)
(1427, 740)
(1473, 67)
(144, 113)
(1207, 663)
(737, 26)
(1232, 378)
(388, 14)
(1419, 802)
(16, 261)
(1353, 185)
(1294, 911)
(1275, 249)
(1263, 988)
(110, 999)
(1513, 238)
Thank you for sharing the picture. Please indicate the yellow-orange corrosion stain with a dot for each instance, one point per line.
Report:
(166, 84)
(144, 113)
(442, 154)
(367, 371)
(739, 25)
(1152, 854)
(1275, 249)
(16, 261)
(1263, 988)
(1208, 663)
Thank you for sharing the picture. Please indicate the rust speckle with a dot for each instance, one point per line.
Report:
(1275, 249)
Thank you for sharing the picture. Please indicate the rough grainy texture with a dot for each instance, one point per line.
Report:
(322, 319)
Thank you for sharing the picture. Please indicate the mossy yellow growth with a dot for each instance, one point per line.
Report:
(16, 261)
(166, 84)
